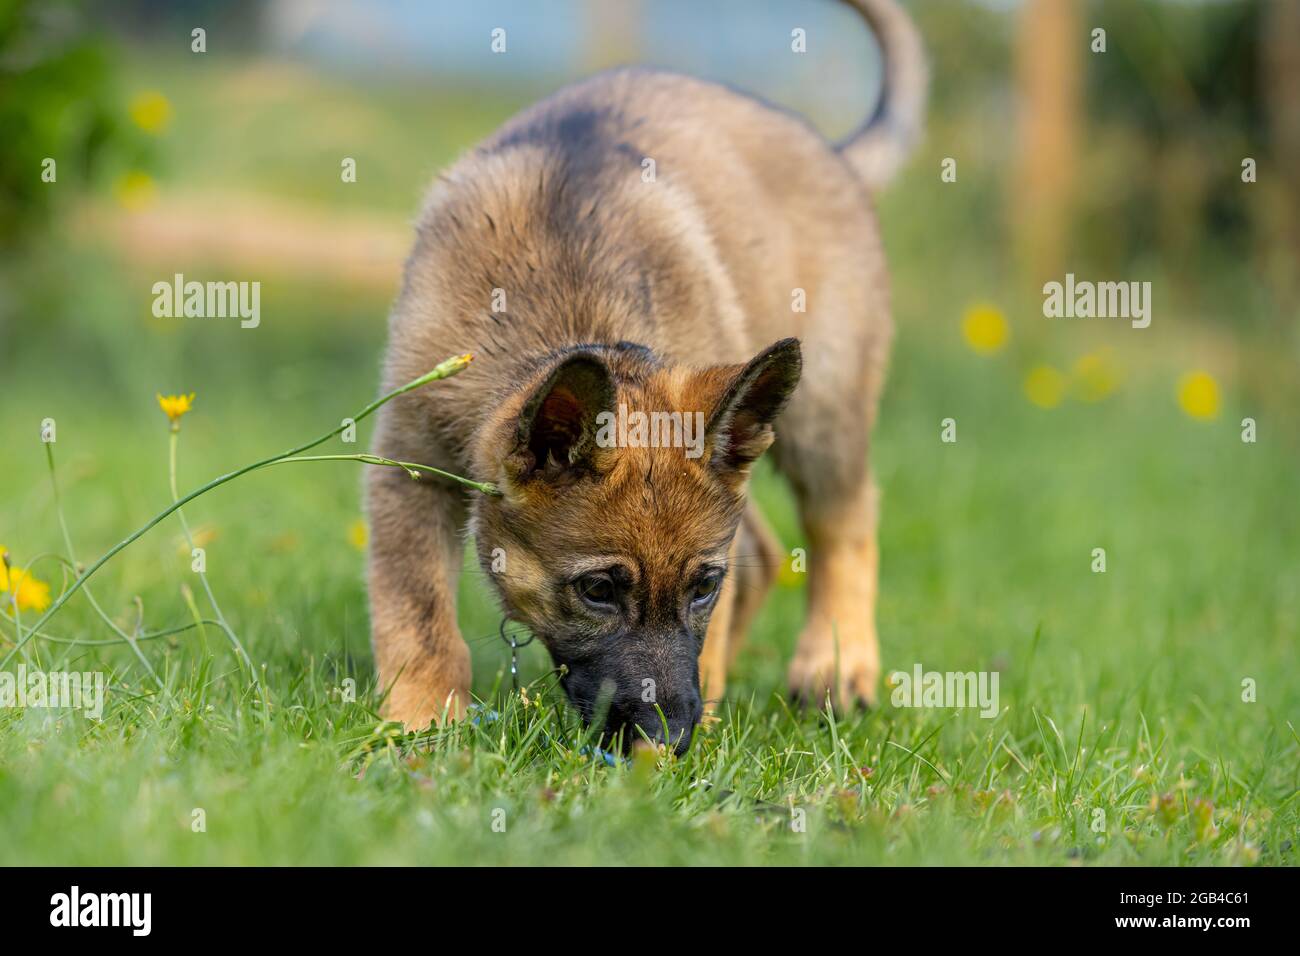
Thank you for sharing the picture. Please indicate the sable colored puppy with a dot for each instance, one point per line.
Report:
(581, 283)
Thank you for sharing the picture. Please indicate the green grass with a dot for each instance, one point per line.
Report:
(1116, 689)
(1119, 691)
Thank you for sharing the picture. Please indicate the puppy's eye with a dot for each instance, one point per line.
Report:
(597, 590)
(705, 588)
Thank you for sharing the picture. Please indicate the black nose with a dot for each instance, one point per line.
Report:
(679, 734)
(673, 728)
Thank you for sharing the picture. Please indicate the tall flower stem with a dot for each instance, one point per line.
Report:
(17, 619)
(443, 370)
(189, 540)
(412, 468)
(115, 641)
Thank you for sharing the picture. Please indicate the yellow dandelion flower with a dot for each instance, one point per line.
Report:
(984, 328)
(135, 191)
(151, 111)
(358, 534)
(1095, 375)
(792, 572)
(174, 406)
(4, 568)
(1045, 386)
(30, 593)
(202, 536)
(1198, 395)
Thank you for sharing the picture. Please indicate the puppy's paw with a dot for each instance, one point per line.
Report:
(849, 673)
(417, 710)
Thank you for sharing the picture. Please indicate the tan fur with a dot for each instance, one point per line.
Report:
(699, 266)
(715, 657)
(756, 559)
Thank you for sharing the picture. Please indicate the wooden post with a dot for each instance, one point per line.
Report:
(1050, 49)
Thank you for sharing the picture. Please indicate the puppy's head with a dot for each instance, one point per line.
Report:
(623, 481)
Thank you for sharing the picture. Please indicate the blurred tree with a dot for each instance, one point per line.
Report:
(238, 23)
(1179, 99)
(57, 109)
(1280, 39)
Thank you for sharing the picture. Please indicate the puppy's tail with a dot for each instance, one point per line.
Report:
(877, 149)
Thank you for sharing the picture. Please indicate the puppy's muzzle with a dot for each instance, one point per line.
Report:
(673, 728)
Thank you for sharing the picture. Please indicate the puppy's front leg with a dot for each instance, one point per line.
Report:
(415, 557)
(715, 656)
(837, 651)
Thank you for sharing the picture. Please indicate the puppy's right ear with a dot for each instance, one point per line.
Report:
(555, 434)
(740, 427)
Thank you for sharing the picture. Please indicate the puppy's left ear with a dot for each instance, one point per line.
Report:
(740, 426)
(554, 437)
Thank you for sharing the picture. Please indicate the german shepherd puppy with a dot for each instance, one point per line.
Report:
(642, 246)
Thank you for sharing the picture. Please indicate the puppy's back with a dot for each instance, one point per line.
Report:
(625, 205)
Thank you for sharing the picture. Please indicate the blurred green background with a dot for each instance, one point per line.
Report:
(1122, 165)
